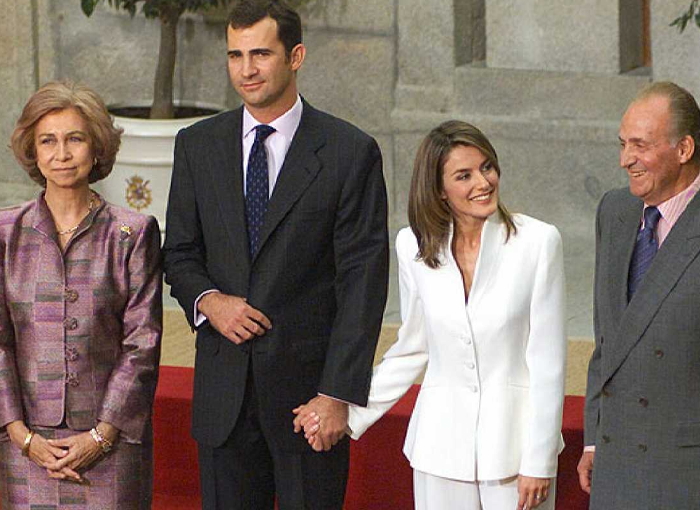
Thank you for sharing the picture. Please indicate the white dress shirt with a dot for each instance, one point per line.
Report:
(277, 144)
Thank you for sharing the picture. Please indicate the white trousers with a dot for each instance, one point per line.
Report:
(437, 493)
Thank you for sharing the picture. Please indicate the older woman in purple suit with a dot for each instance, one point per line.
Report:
(80, 319)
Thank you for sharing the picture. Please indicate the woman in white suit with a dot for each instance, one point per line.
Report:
(482, 309)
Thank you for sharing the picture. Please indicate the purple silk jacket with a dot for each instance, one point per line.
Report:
(80, 331)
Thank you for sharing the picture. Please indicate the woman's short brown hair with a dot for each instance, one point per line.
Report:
(55, 96)
(428, 214)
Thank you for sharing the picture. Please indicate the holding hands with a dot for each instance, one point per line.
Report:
(324, 421)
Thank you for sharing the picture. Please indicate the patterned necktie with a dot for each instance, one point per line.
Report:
(644, 250)
(257, 188)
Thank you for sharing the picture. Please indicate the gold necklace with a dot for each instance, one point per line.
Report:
(91, 204)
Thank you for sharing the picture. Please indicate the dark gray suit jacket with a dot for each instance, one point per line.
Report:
(643, 395)
(320, 273)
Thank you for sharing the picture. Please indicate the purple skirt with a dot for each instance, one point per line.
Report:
(121, 480)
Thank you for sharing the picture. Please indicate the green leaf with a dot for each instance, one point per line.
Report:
(88, 6)
(697, 19)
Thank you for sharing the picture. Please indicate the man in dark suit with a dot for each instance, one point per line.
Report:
(276, 248)
(642, 418)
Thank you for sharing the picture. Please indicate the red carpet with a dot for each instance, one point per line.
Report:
(380, 476)
(176, 473)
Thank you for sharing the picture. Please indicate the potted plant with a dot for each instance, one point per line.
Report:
(168, 12)
(141, 176)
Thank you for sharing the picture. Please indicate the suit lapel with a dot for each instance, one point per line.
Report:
(452, 282)
(680, 248)
(489, 255)
(227, 161)
(301, 165)
(623, 239)
(449, 284)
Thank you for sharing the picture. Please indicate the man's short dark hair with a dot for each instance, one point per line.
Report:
(246, 13)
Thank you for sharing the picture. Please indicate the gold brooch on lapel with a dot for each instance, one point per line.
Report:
(125, 231)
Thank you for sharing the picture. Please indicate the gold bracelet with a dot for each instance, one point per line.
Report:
(101, 440)
(27, 442)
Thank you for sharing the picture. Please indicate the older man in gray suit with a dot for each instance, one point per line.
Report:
(642, 419)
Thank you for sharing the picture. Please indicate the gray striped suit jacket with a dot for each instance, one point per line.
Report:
(643, 395)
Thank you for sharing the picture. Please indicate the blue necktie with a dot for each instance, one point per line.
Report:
(257, 188)
(644, 250)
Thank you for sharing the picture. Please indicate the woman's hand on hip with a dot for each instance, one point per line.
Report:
(532, 491)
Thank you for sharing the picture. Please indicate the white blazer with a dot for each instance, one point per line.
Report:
(491, 402)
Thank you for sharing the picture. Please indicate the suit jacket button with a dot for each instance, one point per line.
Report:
(642, 447)
(70, 323)
(71, 353)
(659, 353)
(72, 379)
(606, 439)
(71, 295)
(643, 402)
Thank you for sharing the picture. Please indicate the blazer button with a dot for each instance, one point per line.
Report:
(71, 295)
(470, 365)
(642, 447)
(71, 353)
(659, 353)
(70, 323)
(474, 389)
(643, 402)
(72, 379)
(606, 439)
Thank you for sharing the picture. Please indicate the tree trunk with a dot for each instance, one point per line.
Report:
(165, 72)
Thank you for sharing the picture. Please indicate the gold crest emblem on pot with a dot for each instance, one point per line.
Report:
(138, 194)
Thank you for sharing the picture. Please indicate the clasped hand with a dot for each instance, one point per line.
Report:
(324, 421)
(81, 450)
(233, 317)
(62, 458)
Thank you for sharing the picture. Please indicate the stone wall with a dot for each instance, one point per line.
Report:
(675, 55)
(547, 81)
(18, 76)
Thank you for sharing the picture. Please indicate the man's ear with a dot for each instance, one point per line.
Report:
(297, 56)
(686, 149)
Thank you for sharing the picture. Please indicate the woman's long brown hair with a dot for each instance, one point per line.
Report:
(428, 214)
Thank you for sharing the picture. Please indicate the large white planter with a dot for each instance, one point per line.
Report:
(140, 179)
